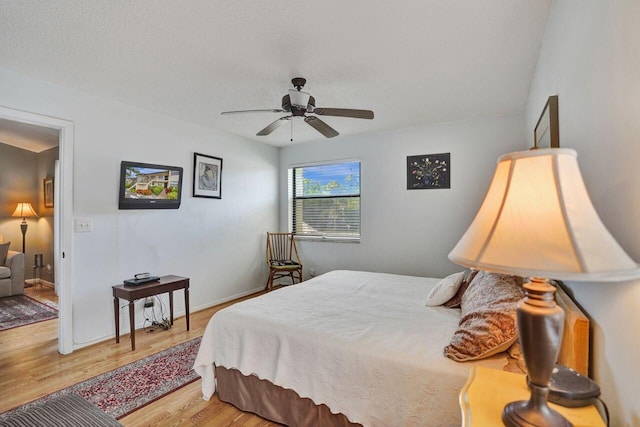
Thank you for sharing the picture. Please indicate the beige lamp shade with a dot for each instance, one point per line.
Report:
(537, 220)
(24, 210)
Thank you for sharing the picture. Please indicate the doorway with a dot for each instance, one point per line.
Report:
(63, 216)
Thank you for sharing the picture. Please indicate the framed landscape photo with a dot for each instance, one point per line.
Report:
(428, 171)
(547, 131)
(48, 192)
(207, 176)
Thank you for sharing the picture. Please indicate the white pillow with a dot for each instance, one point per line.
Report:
(445, 289)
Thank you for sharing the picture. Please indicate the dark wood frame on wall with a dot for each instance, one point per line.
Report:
(200, 162)
(547, 131)
(48, 192)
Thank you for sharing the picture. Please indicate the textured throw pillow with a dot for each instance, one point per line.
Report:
(445, 289)
(515, 353)
(488, 317)
(4, 250)
(455, 301)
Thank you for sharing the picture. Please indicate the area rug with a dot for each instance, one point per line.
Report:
(20, 310)
(65, 411)
(130, 387)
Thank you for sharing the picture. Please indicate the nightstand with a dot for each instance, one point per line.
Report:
(487, 391)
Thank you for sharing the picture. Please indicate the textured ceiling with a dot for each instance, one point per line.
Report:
(411, 62)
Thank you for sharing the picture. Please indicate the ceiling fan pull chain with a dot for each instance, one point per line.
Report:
(291, 129)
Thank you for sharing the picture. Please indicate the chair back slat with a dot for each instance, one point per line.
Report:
(281, 247)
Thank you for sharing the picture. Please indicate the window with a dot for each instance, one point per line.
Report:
(324, 200)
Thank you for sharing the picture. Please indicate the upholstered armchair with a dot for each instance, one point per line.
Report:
(12, 274)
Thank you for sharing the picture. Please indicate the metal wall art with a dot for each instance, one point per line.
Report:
(428, 171)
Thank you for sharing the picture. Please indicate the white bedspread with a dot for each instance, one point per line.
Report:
(362, 343)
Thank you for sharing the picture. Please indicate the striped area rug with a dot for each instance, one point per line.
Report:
(70, 410)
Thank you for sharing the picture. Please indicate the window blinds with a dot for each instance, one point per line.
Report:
(324, 200)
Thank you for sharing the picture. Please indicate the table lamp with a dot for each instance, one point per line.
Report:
(24, 210)
(537, 221)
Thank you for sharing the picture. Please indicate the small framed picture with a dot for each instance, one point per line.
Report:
(428, 171)
(207, 176)
(547, 131)
(48, 192)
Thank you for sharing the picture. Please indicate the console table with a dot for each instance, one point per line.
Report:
(133, 293)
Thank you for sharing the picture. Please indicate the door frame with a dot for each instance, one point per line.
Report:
(62, 218)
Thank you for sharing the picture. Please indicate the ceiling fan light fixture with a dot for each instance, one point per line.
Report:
(298, 98)
(298, 103)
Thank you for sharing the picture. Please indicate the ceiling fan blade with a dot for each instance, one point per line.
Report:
(321, 127)
(273, 126)
(344, 112)
(273, 110)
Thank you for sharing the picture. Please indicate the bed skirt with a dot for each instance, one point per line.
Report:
(261, 397)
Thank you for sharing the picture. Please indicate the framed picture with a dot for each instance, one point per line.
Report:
(547, 131)
(428, 171)
(48, 192)
(207, 176)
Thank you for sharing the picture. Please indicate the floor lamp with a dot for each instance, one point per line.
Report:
(537, 221)
(24, 211)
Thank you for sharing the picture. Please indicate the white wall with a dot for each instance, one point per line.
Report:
(219, 244)
(590, 58)
(407, 231)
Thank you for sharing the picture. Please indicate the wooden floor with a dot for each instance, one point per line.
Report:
(31, 367)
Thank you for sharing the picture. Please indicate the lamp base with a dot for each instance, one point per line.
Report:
(533, 412)
(540, 326)
(23, 229)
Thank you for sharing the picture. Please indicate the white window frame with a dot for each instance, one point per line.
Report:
(291, 198)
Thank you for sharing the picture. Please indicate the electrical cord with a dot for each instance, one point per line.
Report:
(149, 327)
(602, 409)
(164, 323)
(150, 321)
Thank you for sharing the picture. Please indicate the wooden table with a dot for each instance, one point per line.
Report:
(487, 391)
(133, 293)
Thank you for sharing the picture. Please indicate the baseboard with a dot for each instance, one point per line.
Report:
(124, 329)
(226, 299)
(37, 282)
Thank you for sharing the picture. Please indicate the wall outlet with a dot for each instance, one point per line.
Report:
(148, 302)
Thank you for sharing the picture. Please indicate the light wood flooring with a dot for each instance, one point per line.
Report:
(31, 367)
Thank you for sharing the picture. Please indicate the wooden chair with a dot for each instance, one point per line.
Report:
(282, 258)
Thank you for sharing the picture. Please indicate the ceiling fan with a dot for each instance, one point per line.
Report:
(299, 104)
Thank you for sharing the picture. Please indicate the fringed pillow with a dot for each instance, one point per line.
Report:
(515, 353)
(488, 317)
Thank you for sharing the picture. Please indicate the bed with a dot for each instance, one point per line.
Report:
(345, 348)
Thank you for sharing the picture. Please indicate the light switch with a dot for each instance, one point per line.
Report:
(83, 225)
